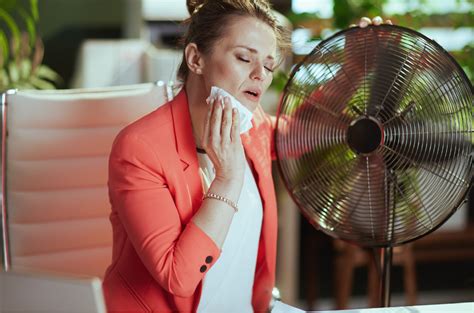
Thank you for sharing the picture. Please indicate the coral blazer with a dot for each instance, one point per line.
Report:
(159, 255)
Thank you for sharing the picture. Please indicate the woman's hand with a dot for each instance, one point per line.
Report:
(365, 21)
(221, 140)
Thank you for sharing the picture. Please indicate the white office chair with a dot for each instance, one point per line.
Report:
(55, 148)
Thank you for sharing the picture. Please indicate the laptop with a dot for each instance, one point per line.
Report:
(41, 292)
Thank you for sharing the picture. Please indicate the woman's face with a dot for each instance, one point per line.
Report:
(242, 61)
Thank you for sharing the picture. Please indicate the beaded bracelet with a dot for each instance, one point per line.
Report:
(220, 198)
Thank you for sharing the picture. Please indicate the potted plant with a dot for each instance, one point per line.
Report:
(21, 49)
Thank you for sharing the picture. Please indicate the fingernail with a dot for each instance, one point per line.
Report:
(377, 20)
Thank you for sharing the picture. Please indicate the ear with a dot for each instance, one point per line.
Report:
(194, 58)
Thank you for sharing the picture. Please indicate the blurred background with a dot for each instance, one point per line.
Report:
(85, 43)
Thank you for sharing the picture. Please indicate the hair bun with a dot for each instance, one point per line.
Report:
(193, 5)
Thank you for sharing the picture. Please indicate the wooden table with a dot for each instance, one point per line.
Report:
(445, 245)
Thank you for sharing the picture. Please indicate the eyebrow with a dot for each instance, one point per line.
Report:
(254, 51)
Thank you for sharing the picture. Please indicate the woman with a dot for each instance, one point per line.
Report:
(181, 245)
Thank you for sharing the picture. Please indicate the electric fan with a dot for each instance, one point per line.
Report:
(374, 138)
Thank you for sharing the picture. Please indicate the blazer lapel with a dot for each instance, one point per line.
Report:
(183, 130)
(186, 148)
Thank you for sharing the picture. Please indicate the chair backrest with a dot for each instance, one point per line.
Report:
(55, 148)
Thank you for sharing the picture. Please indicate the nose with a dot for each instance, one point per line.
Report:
(258, 72)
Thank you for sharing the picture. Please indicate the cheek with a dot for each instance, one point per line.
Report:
(268, 82)
(228, 74)
(222, 70)
(218, 71)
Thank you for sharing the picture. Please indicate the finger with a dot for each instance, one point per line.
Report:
(221, 101)
(389, 22)
(235, 131)
(352, 25)
(364, 22)
(226, 122)
(207, 122)
(377, 20)
(216, 120)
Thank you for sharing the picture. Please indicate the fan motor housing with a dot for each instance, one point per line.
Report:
(365, 135)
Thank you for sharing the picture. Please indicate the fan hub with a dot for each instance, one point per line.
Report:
(365, 135)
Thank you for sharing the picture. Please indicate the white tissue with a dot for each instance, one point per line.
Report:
(244, 113)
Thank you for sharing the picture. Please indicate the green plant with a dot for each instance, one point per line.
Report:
(346, 11)
(465, 59)
(279, 80)
(21, 50)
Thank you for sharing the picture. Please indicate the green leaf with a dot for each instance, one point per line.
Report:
(45, 72)
(41, 83)
(25, 69)
(8, 19)
(14, 72)
(279, 81)
(30, 25)
(4, 80)
(8, 5)
(343, 13)
(25, 85)
(34, 9)
(3, 48)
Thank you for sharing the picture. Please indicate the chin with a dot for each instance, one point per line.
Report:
(250, 105)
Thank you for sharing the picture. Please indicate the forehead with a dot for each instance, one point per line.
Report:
(250, 32)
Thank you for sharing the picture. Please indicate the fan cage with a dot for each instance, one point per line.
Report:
(385, 190)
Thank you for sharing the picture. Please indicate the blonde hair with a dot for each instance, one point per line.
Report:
(209, 18)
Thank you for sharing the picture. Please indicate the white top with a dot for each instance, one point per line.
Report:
(227, 286)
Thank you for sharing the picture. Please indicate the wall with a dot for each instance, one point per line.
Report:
(64, 25)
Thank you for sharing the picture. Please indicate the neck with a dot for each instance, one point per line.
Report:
(197, 93)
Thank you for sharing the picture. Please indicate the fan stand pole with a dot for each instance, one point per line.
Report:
(386, 266)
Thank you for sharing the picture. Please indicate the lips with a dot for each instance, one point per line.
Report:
(253, 94)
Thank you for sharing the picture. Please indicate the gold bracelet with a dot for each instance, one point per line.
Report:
(220, 198)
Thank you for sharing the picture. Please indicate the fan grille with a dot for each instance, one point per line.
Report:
(374, 135)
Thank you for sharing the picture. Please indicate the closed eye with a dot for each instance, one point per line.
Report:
(269, 69)
(248, 61)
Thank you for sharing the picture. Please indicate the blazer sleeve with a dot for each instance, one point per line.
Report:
(176, 255)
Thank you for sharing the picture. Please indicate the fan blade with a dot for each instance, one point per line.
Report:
(417, 142)
(423, 194)
(331, 159)
(354, 200)
(311, 128)
(370, 219)
(393, 69)
(315, 179)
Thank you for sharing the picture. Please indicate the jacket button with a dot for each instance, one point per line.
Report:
(209, 259)
(203, 268)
